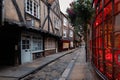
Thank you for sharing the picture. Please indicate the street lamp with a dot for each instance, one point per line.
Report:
(49, 3)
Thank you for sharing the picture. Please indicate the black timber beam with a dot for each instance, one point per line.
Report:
(18, 11)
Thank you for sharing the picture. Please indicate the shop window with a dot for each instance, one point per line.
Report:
(108, 55)
(107, 33)
(50, 43)
(108, 11)
(98, 19)
(37, 44)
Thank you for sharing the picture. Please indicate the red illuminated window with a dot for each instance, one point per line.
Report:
(108, 11)
(117, 6)
(106, 1)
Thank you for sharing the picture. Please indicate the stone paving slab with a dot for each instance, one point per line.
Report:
(67, 71)
(82, 69)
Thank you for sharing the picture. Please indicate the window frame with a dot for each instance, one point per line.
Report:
(33, 8)
(64, 33)
(37, 43)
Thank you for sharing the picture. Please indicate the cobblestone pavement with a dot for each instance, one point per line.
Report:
(72, 66)
(54, 70)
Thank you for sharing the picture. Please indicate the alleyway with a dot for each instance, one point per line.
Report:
(71, 66)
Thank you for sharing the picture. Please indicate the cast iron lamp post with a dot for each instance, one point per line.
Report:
(49, 3)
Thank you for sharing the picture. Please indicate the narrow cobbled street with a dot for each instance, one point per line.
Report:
(69, 67)
(53, 70)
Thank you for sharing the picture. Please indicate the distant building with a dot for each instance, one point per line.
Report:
(53, 31)
(67, 34)
(71, 36)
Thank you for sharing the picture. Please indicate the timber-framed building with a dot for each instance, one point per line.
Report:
(26, 30)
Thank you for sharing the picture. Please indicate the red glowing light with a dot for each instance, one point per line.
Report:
(108, 56)
(96, 23)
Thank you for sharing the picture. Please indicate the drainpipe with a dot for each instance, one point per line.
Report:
(1, 12)
(48, 8)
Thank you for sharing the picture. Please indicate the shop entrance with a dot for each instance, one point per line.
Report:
(25, 49)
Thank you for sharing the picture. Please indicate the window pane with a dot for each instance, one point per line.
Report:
(32, 8)
(37, 43)
(27, 46)
(108, 11)
(28, 3)
(27, 41)
(23, 41)
(23, 47)
(35, 9)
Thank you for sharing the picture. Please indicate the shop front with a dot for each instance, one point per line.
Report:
(65, 45)
(31, 46)
(106, 38)
(51, 45)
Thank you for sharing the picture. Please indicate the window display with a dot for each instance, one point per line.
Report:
(106, 39)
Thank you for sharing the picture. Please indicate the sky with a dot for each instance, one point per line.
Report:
(64, 4)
